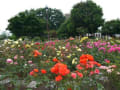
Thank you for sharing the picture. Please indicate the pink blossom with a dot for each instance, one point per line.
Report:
(22, 57)
(113, 66)
(73, 75)
(80, 74)
(37, 43)
(91, 73)
(79, 67)
(118, 49)
(102, 48)
(30, 62)
(67, 45)
(103, 67)
(10, 61)
(108, 43)
(96, 44)
(109, 70)
(15, 57)
(88, 43)
(97, 71)
(15, 63)
(103, 44)
(112, 49)
(71, 38)
(107, 61)
(88, 46)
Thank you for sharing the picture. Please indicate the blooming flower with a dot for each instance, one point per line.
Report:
(15, 63)
(91, 73)
(109, 70)
(107, 61)
(31, 73)
(86, 57)
(103, 67)
(22, 57)
(58, 78)
(43, 71)
(36, 70)
(113, 66)
(55, 60)
(80, 74)
(102, 48)
(37, 53)
(79, 67)
(71, 38)
(30, 62)
(69, 89)
(37, 43)
(97, 71)
(15, 57)
(73, 75)
(83, 39)
(10, 61)
(60, 68)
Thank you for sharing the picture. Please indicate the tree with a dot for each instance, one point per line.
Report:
(55, 17)
(67, 29)
(3, 35)
(33, 22)
(111, 27)
(87, 15)
(26, 24)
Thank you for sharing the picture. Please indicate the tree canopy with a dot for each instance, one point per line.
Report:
(111, 27)
(33, 22)
(66, 29)
(55, 17)
(26, 24)
(87, 15)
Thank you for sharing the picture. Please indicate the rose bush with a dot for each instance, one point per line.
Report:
(68, 64)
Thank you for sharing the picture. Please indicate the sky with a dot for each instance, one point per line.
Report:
(10, 8)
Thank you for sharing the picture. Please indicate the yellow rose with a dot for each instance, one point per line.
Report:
(27, 46)
(74, 61)
(69, 56)
(79, 49)
(12, 46)
(84, 38)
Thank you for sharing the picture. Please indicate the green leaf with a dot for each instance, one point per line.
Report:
(100, 86)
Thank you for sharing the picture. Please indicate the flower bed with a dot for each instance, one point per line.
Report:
(61, 64)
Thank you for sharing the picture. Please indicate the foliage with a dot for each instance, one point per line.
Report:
(67, 29)
(54, 16)
(87, 15)
(3, 36)
(111, 27)
(33, 22)
(26, 24)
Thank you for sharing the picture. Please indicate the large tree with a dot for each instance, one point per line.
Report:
(111, 27)
(26, 24)
(54, 16)
(87, 15)
(33, 22)
(67, 29)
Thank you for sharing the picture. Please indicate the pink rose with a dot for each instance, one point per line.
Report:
(15, 57)
(97, 71)
(73, 75)
(10, 61)
(22, 57)
(30, 62)
(107, 61)
(15, 63)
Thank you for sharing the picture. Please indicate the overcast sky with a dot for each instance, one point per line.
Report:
(9, 8)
